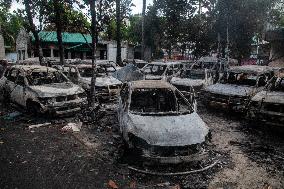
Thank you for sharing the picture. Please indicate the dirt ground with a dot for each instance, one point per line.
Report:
(249, 155)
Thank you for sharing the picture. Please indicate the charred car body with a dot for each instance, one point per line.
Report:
(268, 105)
(41, 89)
(107, 86)
(157, 120)
(198, 75)
(161, 70)
(237, 86)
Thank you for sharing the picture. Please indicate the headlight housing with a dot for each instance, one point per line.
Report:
(47, 100)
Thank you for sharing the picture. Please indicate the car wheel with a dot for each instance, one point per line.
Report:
(33, 108)
(5, 96)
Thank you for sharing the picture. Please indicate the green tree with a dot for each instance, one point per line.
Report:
(11, 23)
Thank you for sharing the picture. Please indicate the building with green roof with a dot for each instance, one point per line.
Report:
(76, 45)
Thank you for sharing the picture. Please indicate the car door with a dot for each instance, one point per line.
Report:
(10, 84)
(123, 108)
(18, 92)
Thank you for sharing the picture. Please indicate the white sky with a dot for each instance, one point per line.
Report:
(135, 10)
(139, 5)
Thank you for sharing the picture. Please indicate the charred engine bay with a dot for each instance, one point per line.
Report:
(248, 156)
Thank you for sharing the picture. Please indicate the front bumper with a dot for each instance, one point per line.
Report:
(168, 154)
(237, 104)
(65, 108)
(109, 93)
(267, 117)
(202, 155)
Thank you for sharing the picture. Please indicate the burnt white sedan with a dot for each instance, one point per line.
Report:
(158, 121)
(41, 90)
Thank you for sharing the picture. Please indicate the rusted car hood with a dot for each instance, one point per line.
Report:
(270, 97)
(179, 130)
(103, 81)
(230, 90)
(187, 82)
(57, 89)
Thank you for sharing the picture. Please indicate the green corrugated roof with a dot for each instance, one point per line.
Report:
(51, 37)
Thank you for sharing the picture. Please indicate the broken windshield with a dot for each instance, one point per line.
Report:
(44, 78)
(102, 70)
(155, 69)
(191, 74)
(240, 79)
(158, 101)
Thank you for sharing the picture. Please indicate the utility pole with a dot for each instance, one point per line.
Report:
(94, 48)
(143, 31)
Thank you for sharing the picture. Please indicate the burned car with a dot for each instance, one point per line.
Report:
(107, 86)
(160, 123)
(237, 86)
(161, 70)
(267, 106)
(198, 76)
(41, 89)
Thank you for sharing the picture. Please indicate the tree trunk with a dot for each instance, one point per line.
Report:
(118, 33)
(94, 48)
(58, 17)
(33, 30)
(143, 31)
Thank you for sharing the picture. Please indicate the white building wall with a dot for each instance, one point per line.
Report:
(111, 51)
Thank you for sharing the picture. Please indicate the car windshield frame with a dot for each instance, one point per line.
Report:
(240, 78)
(157, 71)
(152, 99)
(39, 77)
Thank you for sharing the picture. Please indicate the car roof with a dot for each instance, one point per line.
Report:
(151, 84)
(254, 69)
(164, 63)
(34, 68)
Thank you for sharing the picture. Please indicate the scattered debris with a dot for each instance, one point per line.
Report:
(172, 174)
(12, 115)
(75, 127)
(112, 184)
(39, 125)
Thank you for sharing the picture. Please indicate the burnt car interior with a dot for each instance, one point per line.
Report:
(158, 100)
(193, 74)
(155, 69)
(43, 78)
(248, 79)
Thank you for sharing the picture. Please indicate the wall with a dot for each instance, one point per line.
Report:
(11, 56)
(111, 51)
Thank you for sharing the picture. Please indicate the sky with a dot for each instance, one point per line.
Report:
(138, 5)
(135, 10)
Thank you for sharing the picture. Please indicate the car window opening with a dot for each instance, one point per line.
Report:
(157, 101)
